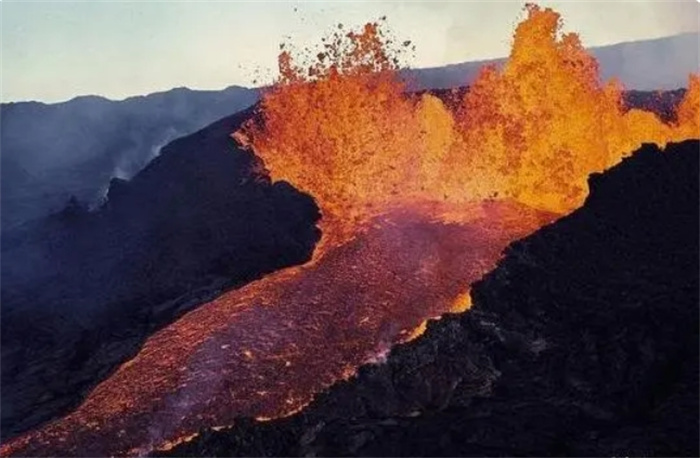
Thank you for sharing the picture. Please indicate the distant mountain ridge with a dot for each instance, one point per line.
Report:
(644, 65)
(51, 152)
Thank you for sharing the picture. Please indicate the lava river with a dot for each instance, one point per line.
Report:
(266, 349)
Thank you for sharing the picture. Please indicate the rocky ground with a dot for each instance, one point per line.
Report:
(81, 291)
(583, 342)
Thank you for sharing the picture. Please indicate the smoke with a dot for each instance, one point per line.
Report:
(131, 160)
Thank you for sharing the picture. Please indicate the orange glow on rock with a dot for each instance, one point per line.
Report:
(417, 331)
(462, 303)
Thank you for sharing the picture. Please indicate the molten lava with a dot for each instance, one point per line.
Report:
(397, 176)
(266, 349)
(342, 128)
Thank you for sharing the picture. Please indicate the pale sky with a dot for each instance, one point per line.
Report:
(56, 50)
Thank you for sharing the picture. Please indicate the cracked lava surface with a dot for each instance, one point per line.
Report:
(266, 349)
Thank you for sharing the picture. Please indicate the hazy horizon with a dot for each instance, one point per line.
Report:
(56, 51)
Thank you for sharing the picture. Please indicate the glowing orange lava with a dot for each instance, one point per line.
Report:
(266, 349)
(397, 177)
(342, 128)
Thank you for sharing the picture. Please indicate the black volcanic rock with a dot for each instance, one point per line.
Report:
(662, 103)
(117, 187)
(82, 290)
(582, 342)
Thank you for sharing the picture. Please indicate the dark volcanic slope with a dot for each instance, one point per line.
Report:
(81, 291)
(53, 151)
(582, 342)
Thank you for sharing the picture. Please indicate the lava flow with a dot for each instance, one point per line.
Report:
(266, 349)
(419, 198)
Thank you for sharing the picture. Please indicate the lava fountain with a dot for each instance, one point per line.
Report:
(341, 126)
(419, 198)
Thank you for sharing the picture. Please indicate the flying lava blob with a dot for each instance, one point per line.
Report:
(341, 126)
